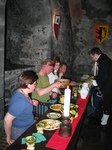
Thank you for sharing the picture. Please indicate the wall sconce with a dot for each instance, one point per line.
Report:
(57, 22)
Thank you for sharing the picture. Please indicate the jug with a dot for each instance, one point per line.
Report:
(86, 85)
(84, 91)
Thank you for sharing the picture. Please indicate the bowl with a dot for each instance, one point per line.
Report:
(65, 82)
(30, 141)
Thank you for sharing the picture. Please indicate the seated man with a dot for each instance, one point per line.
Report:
(62, 71)
(43, 89)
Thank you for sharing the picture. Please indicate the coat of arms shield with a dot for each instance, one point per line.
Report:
(57, 25)
(100, 32)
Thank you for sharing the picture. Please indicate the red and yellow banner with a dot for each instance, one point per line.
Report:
(100, 32)
(57, 25)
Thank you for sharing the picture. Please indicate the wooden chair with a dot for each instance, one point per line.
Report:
(39, 110)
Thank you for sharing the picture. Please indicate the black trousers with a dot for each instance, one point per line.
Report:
(107, 98)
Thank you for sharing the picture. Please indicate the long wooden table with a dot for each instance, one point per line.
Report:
(48, 134)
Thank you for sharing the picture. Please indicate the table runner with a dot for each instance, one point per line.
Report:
(56, 141)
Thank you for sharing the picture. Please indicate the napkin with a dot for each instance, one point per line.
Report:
(95, 83)
(39, 138)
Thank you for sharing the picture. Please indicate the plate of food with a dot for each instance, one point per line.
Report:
(55, 107)
(49, 124)
(54, 115)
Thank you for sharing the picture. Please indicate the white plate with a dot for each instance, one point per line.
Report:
(55, 107)
(49, 124)
(54, 115)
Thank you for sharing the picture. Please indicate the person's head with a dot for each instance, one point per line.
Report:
(27, 79)
(56, 63)
(63, 68)
(94, 53)
(48, 65)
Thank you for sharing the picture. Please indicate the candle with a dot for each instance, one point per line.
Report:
(75, 93)
(95, 67)
(67, 96)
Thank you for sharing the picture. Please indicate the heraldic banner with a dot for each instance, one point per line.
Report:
(100, 32)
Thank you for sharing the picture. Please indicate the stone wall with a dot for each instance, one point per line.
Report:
(30, 31)
(2, 29)
(84, 15)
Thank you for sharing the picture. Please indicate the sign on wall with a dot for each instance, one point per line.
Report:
(100, 32)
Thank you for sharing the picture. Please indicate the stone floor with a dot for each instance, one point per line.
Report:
(92, 137)
(3, 143)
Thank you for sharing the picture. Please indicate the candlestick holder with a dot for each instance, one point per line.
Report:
(65, 127)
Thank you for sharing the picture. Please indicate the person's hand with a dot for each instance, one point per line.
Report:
(35, 102)
(58, 84)
(73, 83)
(54, 95)
(60, 75)
(9, 141)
